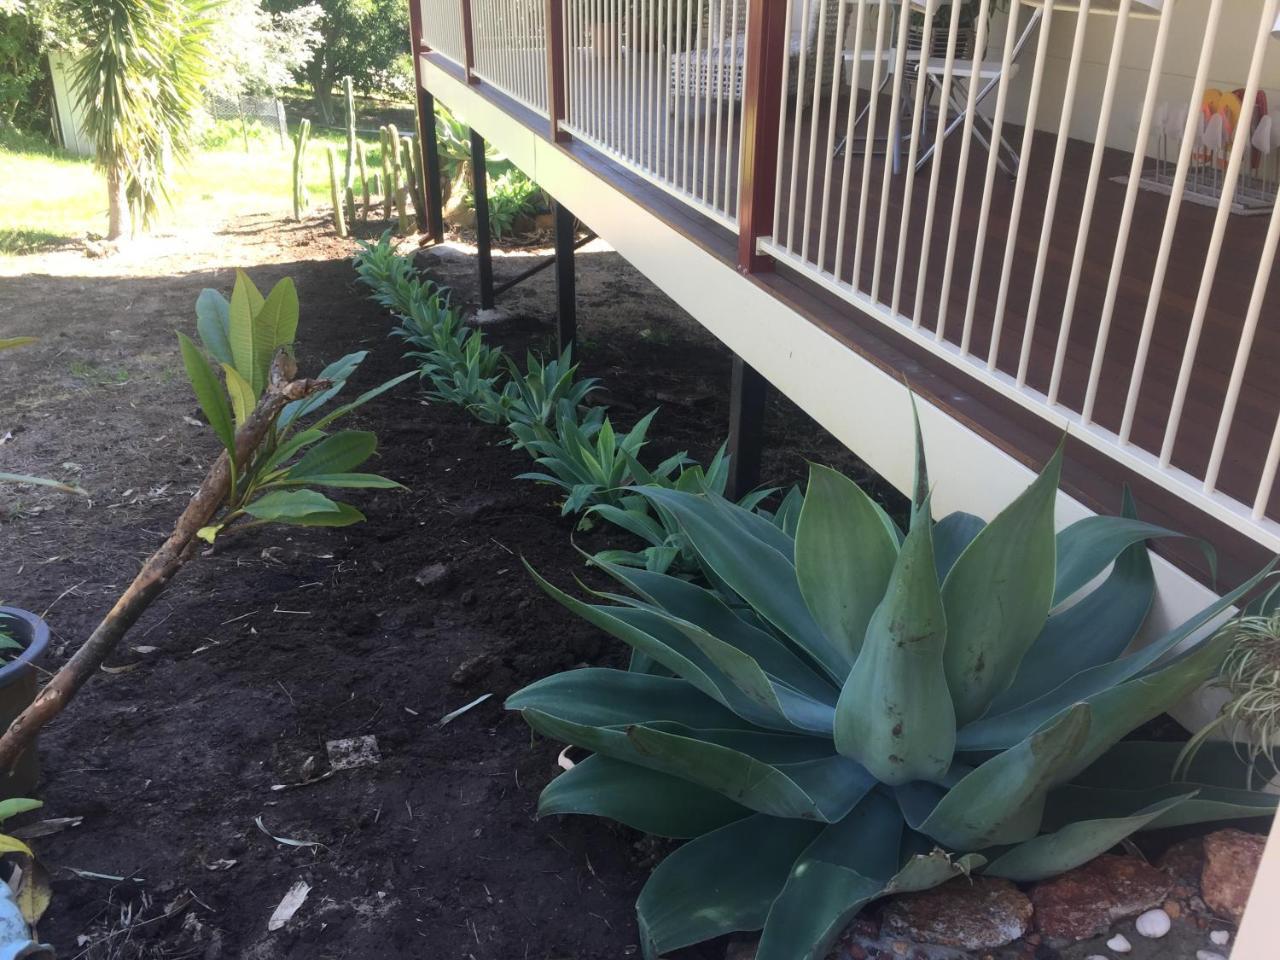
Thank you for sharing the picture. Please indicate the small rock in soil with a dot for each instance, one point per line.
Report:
(1231, 859)
(353, 752)
(1220, 938)
(1084, 902)
(1183, 862)
(973, 915)
(1119, 943)
(1153, 924)
(432, 576)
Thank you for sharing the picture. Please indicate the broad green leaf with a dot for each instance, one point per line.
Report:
(347, 481)
(600, 697)
(246, 301)
(720, 883)
(10, 844)
(708, 610)
(339, 453)
(1053, 853)
(841, 871)
(998, 731)
(844, 557)
(998, 594)
(213, 324)
(951, 535)
(1200, 804)
(643, 799)
(359, 401)
(286, 450)
(274, 325)
(762, 575)
(243, 399)
(1002, 800)
(288, 505)
(1087, 546)
(895, 715)
(209, 394)
(344, 516)
(339, 372)
(17, 805)
(735, 764)
(1096, 630)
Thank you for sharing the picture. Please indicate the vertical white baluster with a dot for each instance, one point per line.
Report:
(939, 141)
(782, 130)
(993, 154)
(649, 62)
(1265, 264)
(714, 198)
(893, 143)
(689, 94)
(630, 53)
(1020, 182)
(868, 149)
(832, 113)
(1139, 367)
(1268, 481)
(909, 171)
(801, 76)
(851, 116)
(1239, 147)
(702, 104)
(1090, 197)
(668, 79)
(814, 114)
(733, 151)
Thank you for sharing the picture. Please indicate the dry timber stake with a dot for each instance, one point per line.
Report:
(161, 565)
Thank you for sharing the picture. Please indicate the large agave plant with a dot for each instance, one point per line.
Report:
(854, 711)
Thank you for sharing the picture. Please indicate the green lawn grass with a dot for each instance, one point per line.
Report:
(48, 197)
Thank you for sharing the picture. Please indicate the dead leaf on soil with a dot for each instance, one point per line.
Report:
(285, 840)
(289, 905)
(455, 714)
(34, 894)
(221, 864)
(45, 828)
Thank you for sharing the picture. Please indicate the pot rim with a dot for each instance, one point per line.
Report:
(36, 643)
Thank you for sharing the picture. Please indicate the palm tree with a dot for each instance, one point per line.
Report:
(140, 82)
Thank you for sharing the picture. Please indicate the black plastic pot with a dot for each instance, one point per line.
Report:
(18, 688)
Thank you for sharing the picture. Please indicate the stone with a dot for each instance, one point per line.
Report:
(1153, 924)
(432, 576)
(981, 914)
(1086, 901)
(1183, 862)
(1231, 859)
(1209, 955)
(1119, 943)
(353, 752)
(1220, 938)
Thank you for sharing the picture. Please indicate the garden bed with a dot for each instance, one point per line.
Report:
(280, 641)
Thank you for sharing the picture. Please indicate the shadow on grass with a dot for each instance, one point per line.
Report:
(16, 241)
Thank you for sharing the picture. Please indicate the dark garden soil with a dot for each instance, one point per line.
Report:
(209, 729)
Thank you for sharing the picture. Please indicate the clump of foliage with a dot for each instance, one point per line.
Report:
(277, 483)
(512, 196)
(855, 709)
(1250, 676)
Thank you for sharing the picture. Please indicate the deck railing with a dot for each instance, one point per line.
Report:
(1099, 266)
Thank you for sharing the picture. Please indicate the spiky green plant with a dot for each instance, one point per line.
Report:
(140, 83)
(1250, 676)
(857, 711)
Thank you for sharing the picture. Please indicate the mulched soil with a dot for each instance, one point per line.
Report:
(222, 699)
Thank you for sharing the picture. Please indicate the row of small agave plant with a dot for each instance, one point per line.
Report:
(829, 708)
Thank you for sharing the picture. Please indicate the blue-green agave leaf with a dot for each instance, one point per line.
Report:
(643, 799)
(844, 557)
(722, 882)
(998, 595)
(894, 715)
(951, 535)
(1199, 804)
(1088, 546)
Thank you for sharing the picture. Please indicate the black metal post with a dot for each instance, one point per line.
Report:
(430, 147)
(747, 397)
(480, 191)
(566, 282)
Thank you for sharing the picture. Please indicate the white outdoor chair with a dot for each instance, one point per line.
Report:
(721, 65)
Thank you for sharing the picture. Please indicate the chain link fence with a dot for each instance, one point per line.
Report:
(267, 112)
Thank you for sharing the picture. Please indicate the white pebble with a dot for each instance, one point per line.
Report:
(1220, 937)
(1120, 944)
(1153, 924)
(1209, 955)
(1097, 956)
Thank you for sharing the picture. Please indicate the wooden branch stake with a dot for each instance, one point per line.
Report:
(161, 565)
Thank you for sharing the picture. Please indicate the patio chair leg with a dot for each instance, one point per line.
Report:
(484, 246)
(747, 396)
(566, 284)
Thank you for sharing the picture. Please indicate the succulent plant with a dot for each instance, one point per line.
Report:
(855, 711)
